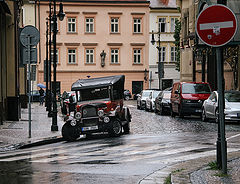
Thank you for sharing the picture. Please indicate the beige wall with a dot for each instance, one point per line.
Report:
(100, 40)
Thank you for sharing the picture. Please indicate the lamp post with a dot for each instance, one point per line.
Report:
(46, 67)
(61, 15)
(160, 64)
(49, 93)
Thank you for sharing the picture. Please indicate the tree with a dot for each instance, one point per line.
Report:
(177, 43)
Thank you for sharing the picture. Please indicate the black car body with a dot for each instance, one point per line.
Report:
(99, 108)
(162, 102)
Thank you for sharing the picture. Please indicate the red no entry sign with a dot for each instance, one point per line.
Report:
(216, 25)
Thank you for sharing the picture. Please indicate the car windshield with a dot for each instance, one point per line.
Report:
(191, 88)
(146, 93)
(95, 94)
(155, 94)
(232, 97)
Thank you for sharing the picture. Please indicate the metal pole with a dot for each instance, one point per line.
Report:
(50, 62)
(221, 107)
(29, 86)
(47, 101)
(221, 102)
(159, 64)
(54, 126)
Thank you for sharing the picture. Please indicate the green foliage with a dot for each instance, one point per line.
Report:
(178, 170)
(222, 175)
(168, 180)
(177, 42)
(213, 166)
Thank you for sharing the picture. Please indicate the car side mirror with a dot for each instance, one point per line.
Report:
(176, 92)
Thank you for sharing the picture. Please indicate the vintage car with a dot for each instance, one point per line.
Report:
(99, 108)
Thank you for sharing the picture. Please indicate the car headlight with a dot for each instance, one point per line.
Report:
(78, 115)
(106, 119)
(73, 122)
(100, 113)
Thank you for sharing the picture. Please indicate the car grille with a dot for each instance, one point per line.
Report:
(89, 112)
(90, 122)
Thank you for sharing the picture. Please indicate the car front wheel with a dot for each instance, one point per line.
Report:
(69, 133)
(116, 128)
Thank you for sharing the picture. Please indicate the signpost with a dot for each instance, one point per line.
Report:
(216, 26)
(29, 37)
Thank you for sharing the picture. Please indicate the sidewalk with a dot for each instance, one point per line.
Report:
(14, 134)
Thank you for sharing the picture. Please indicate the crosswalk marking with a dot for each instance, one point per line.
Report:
(86, 153)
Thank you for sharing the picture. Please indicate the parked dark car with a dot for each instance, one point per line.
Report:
(127, 94)
(162, 103)
(99, 108)
(187, 98)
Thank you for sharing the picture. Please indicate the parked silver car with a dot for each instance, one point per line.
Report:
(150, 101)
(141, 99)
(232, 106)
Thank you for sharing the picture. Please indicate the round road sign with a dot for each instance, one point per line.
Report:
(32, 32)
(216, 25)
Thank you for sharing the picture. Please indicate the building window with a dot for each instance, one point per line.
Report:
(114, 56)
(71, 25)
(173, 20)
(173, 54)
(114, 25)
(137, 25)
(163, 54)
(52, 53)
(136, 56)
(71, 56)
(162, 24)
(89, 25)
(89, 56)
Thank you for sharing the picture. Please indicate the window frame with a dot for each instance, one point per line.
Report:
(114, 54)
(90, 24)
(173, 54)
(139, 56)
(91, 54)
(137, 24)
(68, 49)
(162, 53)
(114, 24)
(71, 23)
(160, 23)
(172, 26)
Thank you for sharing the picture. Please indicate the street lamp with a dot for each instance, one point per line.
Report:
(49, 64)
(160, 64)
(61, 15)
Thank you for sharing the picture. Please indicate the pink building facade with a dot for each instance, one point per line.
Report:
(99, 38)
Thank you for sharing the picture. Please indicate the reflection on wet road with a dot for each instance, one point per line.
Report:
(155, 142)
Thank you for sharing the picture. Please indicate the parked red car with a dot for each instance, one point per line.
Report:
(187, 98)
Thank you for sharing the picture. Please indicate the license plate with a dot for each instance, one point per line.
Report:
(198, 110)
(90, 128)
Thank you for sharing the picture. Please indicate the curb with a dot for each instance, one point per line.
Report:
(180, 172)
(45, 141)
